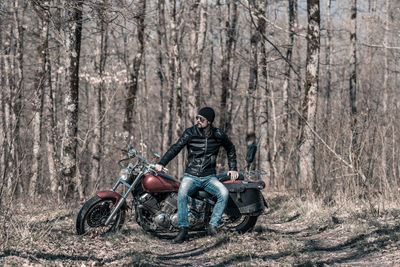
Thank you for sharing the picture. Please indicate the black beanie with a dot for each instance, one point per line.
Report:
(207, 113)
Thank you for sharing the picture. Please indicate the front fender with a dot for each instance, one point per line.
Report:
(111, 194)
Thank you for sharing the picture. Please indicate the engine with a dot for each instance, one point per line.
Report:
(159, 215)
(162, 215)
(168, 215)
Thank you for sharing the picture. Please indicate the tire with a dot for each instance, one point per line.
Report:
(93, 214)
(242, 224)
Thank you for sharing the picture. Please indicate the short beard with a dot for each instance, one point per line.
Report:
(207, 130)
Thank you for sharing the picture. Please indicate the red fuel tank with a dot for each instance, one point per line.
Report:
(160, 183)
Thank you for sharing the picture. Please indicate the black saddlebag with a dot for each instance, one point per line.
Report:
(244, 199)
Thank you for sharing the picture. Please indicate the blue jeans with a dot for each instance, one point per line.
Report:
(191, 184)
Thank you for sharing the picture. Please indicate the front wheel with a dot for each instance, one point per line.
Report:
(94, 213)
(241, 224)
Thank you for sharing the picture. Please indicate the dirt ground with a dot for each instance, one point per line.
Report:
(290, 233)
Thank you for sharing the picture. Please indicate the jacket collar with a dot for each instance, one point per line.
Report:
(201, 132)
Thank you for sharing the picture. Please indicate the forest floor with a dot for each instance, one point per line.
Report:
(291, 232)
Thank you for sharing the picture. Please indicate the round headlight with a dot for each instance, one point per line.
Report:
(123, 174)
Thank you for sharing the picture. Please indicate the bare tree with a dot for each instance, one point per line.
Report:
(279, 157)
(329, 58)
(69, 157)
(264, 112)
(3, 136)
(161, 39)
(38, 101)
(172, 48)
(385, 100)
(14, 64)
(229, 32)
(133, 83)
(198, 21)
(353, 73)
(179, 118)
(50, 112)
(8, 143)
(307, 173)
(253, 70)
(98, 113)
(292, 12)
(53, 159)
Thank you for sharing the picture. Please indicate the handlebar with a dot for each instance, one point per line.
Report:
(132, 154)
(122, 160)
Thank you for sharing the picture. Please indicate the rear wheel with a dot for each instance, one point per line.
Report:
(241, 224)
(94, 213)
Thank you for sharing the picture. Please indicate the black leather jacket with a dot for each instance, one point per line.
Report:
(202, 151)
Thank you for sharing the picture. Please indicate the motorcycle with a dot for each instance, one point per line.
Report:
(154, 201)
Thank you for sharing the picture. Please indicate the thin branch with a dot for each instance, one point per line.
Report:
(383, 45)
(359, 172)
(271, 43)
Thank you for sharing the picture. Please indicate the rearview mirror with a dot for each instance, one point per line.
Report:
(251, 153)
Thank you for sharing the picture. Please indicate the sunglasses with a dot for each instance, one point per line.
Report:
(201, 119)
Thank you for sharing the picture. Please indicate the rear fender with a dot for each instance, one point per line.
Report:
(111, 194)
(259, 183)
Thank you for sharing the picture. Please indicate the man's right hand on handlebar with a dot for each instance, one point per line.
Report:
(158, 167)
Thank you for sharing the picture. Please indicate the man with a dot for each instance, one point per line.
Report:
(203, 142)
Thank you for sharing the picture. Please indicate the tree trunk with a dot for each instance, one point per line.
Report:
(179, 122)
(14, 184)
(53, 159)
(329, 61)
(69, 157)
(6, 112)
(287, 94)
(51, 135)
(227, 42)
(172, 47)
(198, 33)
(161, 38)
(38, 101)
(132, 86)
(229, 29)
(3, 129)
(353, 76)
(265, 161)
(385, 100)
(307, 175)
(253, 72)
(286, 83)
(98, 114)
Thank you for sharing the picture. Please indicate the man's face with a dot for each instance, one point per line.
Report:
(201, 122)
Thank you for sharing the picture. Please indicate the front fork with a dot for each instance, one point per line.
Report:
(121, 200)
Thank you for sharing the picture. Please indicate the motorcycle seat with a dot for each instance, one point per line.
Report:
(222, 177)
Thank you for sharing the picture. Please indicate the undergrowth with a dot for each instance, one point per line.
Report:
(293, 231)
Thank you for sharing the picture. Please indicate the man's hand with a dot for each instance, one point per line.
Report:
(233, 174)
(158, 167)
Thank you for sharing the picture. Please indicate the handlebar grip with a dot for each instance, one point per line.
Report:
(163, 169)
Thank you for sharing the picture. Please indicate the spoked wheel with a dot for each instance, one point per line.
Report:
(94, 213)
(240, 224)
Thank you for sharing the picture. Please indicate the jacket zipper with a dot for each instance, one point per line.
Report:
(204, 156)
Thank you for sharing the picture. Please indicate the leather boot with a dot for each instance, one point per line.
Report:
(182, 236)
(212, 230)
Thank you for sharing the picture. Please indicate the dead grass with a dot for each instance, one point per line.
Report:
(292, 232)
